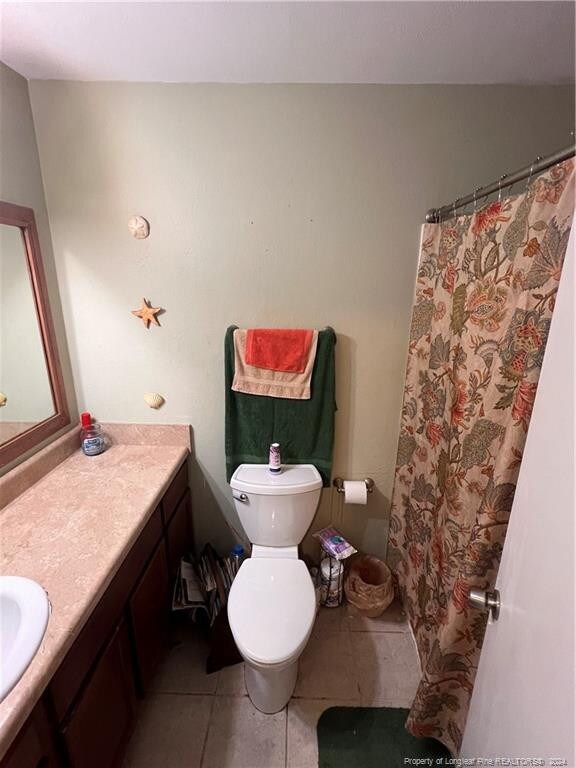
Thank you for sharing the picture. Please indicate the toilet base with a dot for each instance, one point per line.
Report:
(270, 691)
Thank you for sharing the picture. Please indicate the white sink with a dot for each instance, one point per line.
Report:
(24, 611)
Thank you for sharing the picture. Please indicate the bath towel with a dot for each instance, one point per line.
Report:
(304, 428)
(279, 349)
(265, 382)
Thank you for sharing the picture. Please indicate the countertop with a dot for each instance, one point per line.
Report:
(70, 532)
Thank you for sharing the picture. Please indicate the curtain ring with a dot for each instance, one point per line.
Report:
(500, 180)
(475, 199)
(534, 162)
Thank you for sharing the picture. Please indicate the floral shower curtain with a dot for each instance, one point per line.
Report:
(484, 300)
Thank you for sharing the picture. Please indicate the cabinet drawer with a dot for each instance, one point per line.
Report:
(81, 657)
(99, 727)
(179, 534)
(34, 746)
(174, 493)
(149, 612)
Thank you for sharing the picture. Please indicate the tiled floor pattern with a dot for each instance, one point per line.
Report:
(194, 720)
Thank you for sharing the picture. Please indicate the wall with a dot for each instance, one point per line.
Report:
(21, 183)
(269, 206)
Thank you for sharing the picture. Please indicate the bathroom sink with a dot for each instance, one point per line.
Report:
(24, 611)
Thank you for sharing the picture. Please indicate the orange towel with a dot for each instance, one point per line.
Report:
(278, 349)
(262, 381)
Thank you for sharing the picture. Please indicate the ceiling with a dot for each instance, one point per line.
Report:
(295, 42)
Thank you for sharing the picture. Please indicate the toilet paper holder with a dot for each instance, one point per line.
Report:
(338, 483)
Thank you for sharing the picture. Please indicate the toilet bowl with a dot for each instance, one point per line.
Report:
(271, 611)
(272, 602)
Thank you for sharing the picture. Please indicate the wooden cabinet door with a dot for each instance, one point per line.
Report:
(99, 726)
(34, 745)
(179, 534)
(149, 612)
(174, 493)
(80, 659)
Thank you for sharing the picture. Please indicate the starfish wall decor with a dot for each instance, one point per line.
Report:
(147, 313)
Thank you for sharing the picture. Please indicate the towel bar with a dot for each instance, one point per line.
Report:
(326, 328)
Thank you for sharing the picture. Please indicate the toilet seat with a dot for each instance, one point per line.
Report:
(271, 609)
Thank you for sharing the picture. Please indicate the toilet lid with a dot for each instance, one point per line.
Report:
(271, 608)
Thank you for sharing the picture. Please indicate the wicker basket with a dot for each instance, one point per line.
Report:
(369, 586)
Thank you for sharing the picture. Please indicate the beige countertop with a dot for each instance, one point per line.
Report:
(70, 532)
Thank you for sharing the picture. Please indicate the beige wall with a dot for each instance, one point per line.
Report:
(21, 183)
(269, 206)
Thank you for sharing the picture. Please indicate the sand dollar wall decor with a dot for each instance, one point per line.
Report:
(139, 227)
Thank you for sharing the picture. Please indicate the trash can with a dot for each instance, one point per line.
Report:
(369, 585)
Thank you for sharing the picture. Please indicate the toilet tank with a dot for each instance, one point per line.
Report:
(276, 510)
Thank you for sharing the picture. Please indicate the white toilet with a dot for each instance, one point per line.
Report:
(272, 603)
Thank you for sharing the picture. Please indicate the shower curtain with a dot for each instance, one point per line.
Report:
(484, 300)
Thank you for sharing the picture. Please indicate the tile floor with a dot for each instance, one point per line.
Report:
(194, 720)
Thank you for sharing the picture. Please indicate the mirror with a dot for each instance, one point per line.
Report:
(32, 400)
(24, 379)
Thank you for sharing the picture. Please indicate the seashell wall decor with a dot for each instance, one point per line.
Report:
(3, 399)
(154, 400)
(139, 227)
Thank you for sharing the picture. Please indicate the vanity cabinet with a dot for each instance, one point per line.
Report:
(78, 663)
(34, 746)
(178, 532)
(99, 726)
(85, 717)
(149, 609)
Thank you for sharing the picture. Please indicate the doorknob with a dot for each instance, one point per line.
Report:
(485, 601)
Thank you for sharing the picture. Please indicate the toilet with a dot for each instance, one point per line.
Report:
(272, 602)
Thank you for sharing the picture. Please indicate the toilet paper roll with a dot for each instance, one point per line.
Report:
(355, 492)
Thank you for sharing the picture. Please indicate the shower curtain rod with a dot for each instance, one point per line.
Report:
(436, 215)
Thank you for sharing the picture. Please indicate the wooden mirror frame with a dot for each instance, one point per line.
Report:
(19, 216)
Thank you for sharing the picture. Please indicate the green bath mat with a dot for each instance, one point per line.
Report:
(370, 737)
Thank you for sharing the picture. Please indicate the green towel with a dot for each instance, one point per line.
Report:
(304, 428)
